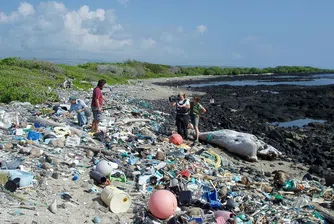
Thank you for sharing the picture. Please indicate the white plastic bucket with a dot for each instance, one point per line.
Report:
(117, 200)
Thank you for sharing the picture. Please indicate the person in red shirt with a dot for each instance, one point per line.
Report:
(97, 102)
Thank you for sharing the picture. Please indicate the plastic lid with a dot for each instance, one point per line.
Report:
(120, 203)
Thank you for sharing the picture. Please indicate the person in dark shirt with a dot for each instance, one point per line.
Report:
(182, 115)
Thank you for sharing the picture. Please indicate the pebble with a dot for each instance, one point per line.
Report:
(36, 152)
(53, 207)
(97, 219)
(89, 153)
(8, 146)
(55, 175)
(46, 165)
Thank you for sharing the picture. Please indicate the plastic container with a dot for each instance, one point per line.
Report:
(25, 178)
(117, 200)
(98, 177)
(32, 135)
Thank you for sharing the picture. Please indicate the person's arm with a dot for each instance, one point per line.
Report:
(65, 114)
(174, 104)
(104, 99)
(203, 110)
(98, 104)
(187, 105)
(83, 105)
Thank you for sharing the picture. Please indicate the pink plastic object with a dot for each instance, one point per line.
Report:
(162, 204)
(226, 215)
(220, 220)
(176, 139)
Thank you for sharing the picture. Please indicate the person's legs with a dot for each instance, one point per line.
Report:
(184, 126)
(179, 125)
(81, 118)
(196, 121)
(186, 123)
(94, 126)
(97, 121)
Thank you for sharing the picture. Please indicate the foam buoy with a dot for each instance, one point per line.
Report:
(176, 139)
(162, 204)
(105, 168)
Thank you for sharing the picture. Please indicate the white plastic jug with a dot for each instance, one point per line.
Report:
(117, 200)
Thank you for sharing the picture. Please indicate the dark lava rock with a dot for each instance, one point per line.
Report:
(255, 107)
(267, 174)
(329, 179)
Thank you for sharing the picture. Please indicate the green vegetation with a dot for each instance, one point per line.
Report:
(33, 80)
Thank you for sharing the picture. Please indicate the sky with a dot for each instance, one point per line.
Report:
(247, 33)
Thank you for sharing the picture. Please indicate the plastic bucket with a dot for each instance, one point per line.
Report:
(117, 200)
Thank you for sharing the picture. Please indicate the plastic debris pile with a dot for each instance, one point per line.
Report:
(50, 164)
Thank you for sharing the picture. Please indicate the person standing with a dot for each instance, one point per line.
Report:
(97, 102)
(196, 110)
(79, 107)
(182, 115)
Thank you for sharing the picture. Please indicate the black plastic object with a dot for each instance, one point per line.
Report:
(98, 177)
(172, 221)
(12, 185)
(153, 180)
(307, 177)
(184, 197)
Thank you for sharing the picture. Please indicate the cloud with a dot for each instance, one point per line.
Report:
(148, 43)
(167, 37)
(52, 30)
(201, 29)
(53, 26)
(180, 29)
(24, 10)
(123, 2)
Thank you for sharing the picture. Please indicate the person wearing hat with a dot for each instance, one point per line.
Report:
(80, 108)
(182, 115)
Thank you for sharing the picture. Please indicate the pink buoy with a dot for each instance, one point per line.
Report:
(176, 139)
(162, 204)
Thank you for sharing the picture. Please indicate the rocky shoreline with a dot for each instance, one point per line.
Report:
(252, 109)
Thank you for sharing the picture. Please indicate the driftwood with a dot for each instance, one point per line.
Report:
(56, 124)
(97, 150)
(132, 120)
(324, 212)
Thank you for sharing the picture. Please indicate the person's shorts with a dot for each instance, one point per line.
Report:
(96, 114)
(195, 120)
